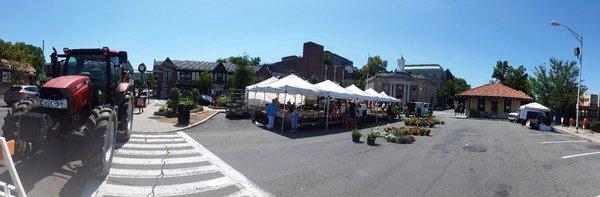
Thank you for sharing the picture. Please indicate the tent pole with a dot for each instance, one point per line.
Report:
(327, 116)
(283, 114)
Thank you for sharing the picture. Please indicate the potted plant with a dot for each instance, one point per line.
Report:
(183, 112)
(356, 135)
(406, 139)
(371, 138)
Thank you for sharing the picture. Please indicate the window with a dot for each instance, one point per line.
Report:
(507, 105)
(167, 75)
(31, 89)
(194, 76)
(184, 75)
(481, 104)
(494, 106)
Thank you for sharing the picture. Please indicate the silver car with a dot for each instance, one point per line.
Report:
(19, 92)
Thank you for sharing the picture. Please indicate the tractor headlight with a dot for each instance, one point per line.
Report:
(57, 104)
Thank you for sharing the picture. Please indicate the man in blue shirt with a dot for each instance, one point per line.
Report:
(271, 112)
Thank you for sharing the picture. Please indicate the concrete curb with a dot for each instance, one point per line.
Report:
(183, 128)
(559, 130)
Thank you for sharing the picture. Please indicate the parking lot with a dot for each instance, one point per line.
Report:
(518, 161)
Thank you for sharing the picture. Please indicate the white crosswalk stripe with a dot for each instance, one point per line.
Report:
(154, 161)
(155, 136)
(177, 172)
(166, 190)
(179, 157)
(154, 146)
(155, 152)
(138, 140)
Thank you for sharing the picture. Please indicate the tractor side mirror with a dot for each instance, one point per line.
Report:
(122, 57)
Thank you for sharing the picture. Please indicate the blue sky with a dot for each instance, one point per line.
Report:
(467, 37)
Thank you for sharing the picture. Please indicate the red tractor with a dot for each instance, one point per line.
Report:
(88, 99)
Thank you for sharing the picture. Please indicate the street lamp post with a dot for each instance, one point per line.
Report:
(142, 69)
(578, 53)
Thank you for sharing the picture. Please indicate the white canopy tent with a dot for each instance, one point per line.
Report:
(392, 98)
(532, 107)
(376, 94)
(258, 98)
(290, 84)
(359, 93)
(332, 89)
(535, 107)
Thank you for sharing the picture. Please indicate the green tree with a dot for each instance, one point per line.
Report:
(313, 79)
(174, 96)
(244, 74)
(204, 82)
(149, 82)
(556, 87)
(327, 60)
(22, 52)
(374, 65)
(194, 94)
(515, 78)
(448, 92)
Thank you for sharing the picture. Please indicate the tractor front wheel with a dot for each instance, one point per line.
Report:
(100, 129)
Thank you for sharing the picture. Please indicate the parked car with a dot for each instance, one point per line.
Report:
(416, 108)
(20, 92)
(512, 117)
(205, 100)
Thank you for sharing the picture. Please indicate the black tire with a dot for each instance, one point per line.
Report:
(125, 119)
(100, 129)
(11, 121)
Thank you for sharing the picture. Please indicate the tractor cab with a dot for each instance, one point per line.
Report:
(105, 68)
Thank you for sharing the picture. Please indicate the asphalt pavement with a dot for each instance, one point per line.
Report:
(518, 161)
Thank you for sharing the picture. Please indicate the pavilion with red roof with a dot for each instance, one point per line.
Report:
(493, 100)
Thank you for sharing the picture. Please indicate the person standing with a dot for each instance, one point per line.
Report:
(271, 112)
(294, 117)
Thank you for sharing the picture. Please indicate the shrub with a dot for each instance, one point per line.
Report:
(174, 96)
(222, 101)
(424, 131)
(200, 108)
(194, 94)
(356, 133)
(372, 135)
(407, 139)
(164, 109)
(186, 103)
(595, 126)
(391, 138)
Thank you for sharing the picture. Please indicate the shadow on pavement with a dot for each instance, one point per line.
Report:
(320, 131)
(55, 170)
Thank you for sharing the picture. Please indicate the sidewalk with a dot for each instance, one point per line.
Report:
(583, 133)
(148, 122)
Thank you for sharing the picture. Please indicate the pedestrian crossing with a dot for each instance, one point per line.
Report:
(172, 165)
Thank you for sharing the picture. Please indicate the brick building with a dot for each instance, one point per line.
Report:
(310, 64)
(184, 73)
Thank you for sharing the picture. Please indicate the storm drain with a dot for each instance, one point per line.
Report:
(474, 148)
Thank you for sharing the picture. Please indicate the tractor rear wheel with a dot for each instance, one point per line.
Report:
(125, 119)
(100, 129)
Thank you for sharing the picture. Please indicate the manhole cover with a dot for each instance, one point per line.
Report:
(474, 148)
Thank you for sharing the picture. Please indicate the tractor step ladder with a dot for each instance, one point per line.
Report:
(7, 190)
